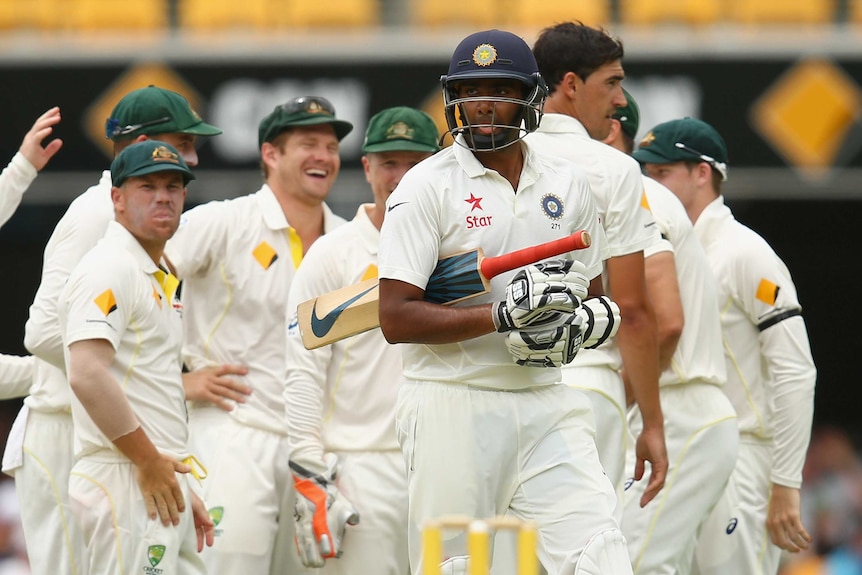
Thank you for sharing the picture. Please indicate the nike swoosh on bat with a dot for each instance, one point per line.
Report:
(321, 326)
(393, 206)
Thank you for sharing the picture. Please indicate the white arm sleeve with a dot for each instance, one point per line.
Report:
(16, 375)
(14, 181)
(787, 352)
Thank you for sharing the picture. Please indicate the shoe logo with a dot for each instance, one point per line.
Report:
(393, 206)
(731, 527)
(321, 326)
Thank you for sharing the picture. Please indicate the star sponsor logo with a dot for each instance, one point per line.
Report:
(475, 203)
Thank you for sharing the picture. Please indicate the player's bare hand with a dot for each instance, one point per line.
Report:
(650, 447)
(215, 385)
(31, 146)
(784, 520)
(157, 479)
(204, 526)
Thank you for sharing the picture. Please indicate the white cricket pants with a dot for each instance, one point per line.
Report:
(702, 438)
(734, 538)
(482, 453)
(54, 542)
(120, 537)
(249, 492)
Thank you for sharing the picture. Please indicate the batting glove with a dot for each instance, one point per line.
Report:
(321, 513)
(601, 321)
(547, 346)
(541, 294)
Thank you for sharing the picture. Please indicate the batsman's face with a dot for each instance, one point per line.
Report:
(598, 98)
(492, 105)
(149, 206)
(384, 170)
(308, 163)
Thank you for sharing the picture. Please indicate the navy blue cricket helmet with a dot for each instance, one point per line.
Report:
(492, 54)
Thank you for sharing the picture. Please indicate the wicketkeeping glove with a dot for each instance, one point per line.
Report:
(548, 346)
(538, 293)
(322, 514)
(601, 318)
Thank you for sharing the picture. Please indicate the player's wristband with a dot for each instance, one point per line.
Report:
(502, 319)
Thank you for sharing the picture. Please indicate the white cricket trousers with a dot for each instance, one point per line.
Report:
(482, 453)
(376, 484)
(604, 388)
(734, 537)
(702, 438)
(249, 493)
(120, 537)
(54, 542)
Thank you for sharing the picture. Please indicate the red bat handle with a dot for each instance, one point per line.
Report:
(491, 267)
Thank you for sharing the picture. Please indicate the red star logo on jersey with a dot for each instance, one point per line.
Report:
(476, 202)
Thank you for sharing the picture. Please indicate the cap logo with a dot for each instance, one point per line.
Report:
(484, 55)
(162, 154)
(399, 131)
(647, 140)
(315, 108)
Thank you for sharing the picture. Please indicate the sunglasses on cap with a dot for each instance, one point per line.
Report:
(720, 166)
(309, 105)
(113, 128)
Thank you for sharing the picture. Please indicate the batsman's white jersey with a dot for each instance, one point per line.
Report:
(700, 423)
(341, 398)
(617, 185)
(770, 382)
(480, 435)
(237, 259)
(464, 206)
(113, 294)
(14, 181)
(42, 457)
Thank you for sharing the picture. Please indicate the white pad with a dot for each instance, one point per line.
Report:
(605, 554)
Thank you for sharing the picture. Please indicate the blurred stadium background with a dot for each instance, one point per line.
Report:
(781, 79)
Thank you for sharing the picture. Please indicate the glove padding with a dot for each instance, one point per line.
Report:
(548, 346)
(538, 294)
(321, 514)
(601, 321)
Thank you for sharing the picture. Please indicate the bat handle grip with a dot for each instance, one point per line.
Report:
(494, 266)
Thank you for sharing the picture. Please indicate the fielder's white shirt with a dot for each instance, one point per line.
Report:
(113, 295)
(16, 375)
(340, 397)
(451, 203)
(617, 185)
(14, 181)
(699, 354)
(77, 232)
(237, 259)
(770, 371)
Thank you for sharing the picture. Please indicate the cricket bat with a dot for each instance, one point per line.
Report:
(354, 309)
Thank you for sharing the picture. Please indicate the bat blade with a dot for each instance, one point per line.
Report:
(354, 309)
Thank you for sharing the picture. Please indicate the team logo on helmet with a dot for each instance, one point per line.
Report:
(647, 140)
(484, 55)
(400, 131)
(552, 205)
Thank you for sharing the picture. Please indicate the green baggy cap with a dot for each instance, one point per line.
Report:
(302, 111)
(148, 157)
(686, 139)
(401, 129)
(154, 110)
